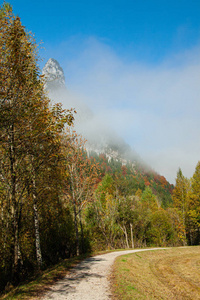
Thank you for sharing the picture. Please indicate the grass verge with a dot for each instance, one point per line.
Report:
(35, 288)
(162, 274)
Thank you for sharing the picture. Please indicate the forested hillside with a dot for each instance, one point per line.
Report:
(56, 201)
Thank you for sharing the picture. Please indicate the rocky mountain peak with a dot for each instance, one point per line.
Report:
(100, 137)
(54, 75)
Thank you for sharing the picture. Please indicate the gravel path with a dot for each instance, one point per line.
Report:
(88, 280)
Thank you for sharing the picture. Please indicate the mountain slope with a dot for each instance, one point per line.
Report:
(110, 150)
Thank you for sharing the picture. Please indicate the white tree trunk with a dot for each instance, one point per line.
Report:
(132, 242)
(37, 227)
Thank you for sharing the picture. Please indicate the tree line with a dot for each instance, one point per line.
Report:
(31, 152)
(55, 200)
(186, 201)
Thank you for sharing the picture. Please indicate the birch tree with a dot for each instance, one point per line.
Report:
(82, 177)
(30, 130)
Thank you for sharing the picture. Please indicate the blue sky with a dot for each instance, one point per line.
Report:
(136, 64)
(147, 30)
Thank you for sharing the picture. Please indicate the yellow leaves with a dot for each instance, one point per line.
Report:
(194, 216)
(83, 173)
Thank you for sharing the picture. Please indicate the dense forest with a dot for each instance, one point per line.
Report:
(56, 201)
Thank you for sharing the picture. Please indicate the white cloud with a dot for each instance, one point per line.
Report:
(156, 108)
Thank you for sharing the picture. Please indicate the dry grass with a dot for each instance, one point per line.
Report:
(163, 274)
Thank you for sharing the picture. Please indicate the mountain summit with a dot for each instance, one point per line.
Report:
(54, 75)
(100, 137)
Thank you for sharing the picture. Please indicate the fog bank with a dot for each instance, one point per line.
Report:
(155, 108)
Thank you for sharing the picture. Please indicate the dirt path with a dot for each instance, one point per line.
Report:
(88, 280)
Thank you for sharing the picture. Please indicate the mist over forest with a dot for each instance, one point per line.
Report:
(99, 134)
(63, 197)
(153, 108)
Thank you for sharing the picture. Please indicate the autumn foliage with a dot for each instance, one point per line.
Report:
(56, 199)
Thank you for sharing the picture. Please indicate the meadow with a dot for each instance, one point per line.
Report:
(164, 274)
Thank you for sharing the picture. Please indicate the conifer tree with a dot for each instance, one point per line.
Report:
(196, 183)
(194, 212)
(180, 198)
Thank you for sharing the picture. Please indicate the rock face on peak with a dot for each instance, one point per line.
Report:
(100, 137)
(54, 75)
